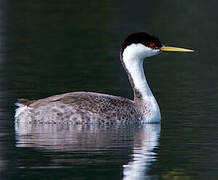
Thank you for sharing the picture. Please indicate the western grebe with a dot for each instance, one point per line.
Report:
(89, 107)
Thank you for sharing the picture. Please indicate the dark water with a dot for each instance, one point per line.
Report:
(51, 47)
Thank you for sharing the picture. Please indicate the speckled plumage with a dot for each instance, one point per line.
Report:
(81, 107)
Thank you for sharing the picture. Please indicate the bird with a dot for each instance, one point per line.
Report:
(90, 107)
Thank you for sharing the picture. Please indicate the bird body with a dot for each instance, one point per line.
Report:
(89, 107)
(83, 107)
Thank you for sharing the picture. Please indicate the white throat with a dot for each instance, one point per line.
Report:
(133, 57)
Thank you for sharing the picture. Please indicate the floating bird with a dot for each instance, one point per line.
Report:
(90, 107)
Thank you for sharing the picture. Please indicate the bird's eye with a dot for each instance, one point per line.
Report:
(152, 44)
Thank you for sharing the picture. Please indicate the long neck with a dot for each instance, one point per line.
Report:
(134, 68)
(132, 60)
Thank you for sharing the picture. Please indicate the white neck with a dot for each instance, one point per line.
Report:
(133, 57)
(133, 62)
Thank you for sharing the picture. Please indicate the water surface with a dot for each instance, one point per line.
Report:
(52, 47)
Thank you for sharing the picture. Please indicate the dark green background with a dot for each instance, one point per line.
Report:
(51, 46)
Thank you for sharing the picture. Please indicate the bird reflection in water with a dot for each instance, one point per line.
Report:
(138, 141)
(143, 154)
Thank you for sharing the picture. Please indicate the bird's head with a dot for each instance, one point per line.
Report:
(142, 45)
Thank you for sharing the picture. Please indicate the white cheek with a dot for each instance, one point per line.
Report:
(155, 52)
(139, 51)
(152, 52)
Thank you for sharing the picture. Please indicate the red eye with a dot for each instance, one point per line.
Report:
(152, 44)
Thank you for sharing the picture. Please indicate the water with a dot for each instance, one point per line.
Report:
(52, 47)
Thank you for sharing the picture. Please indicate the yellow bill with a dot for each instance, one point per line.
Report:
(175, 49)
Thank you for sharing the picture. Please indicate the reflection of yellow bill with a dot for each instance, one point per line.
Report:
(175, 49)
